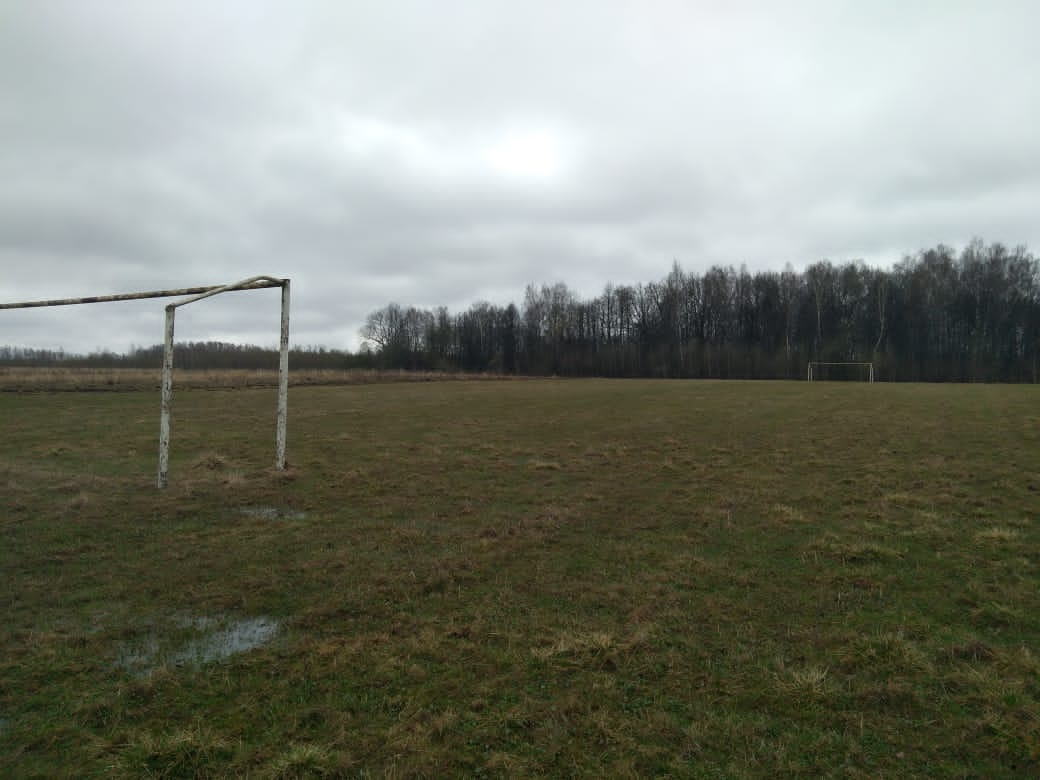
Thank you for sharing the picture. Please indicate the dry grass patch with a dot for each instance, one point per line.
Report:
(885, 653)
(210, 461)
(544, 465)
(801, 685)
(836, 548)
(305, 761)
(975, 651)
(998, 535)
(576, 645)
(916, 500)
(78, 502)
(788, 514)
(197, 750)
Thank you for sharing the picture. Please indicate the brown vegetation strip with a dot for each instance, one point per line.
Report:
(21, 379)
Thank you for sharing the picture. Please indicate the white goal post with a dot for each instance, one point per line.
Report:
(812, 374)
(197, 294)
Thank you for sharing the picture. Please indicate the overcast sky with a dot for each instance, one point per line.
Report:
(447, 152)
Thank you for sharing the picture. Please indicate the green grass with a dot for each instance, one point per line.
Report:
(544, 578)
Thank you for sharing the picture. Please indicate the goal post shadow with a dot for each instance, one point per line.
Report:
(197, 294)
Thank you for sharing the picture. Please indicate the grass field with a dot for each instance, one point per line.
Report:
(543, 578)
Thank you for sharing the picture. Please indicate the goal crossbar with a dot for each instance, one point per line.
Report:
(196, 294)
(253, 283)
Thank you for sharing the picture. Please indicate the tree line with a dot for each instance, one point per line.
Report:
(937, 315)
(208, 355)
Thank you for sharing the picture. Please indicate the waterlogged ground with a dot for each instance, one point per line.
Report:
(540, 579)
(193, 641)
(272, 513)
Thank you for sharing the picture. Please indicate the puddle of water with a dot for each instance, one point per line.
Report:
(272, 513)
(238, 637)
(219, 640)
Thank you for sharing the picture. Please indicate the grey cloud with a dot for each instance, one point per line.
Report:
(350, 147)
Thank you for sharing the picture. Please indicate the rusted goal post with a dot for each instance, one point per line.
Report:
(197, 294)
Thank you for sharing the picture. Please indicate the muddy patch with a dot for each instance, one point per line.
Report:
(272, 513)
(193, 642)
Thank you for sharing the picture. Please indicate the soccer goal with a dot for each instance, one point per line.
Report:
(197, 294)
(820, 371)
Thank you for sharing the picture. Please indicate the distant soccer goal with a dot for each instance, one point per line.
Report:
(820, 371)
(196, 294)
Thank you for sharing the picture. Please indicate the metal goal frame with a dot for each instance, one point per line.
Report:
(809, 371)
(196, 294)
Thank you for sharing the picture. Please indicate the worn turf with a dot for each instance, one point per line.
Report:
(544, 578)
